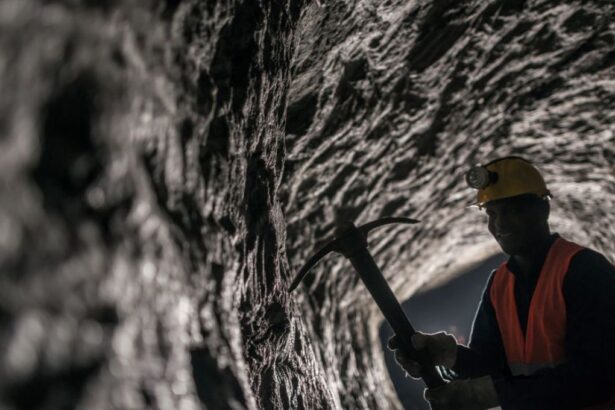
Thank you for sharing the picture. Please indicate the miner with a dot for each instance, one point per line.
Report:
(544, 333)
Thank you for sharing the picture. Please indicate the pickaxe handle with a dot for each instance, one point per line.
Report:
(352, 243)
(371, 276)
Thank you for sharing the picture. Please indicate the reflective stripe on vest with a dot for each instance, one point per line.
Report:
(526, 369)
(542, 345)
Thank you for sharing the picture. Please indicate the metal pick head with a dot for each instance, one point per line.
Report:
(336, 245)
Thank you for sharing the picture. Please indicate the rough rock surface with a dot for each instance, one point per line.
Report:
(166, 166)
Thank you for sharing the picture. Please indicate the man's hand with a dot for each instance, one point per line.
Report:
(441, 347)
(469, 394)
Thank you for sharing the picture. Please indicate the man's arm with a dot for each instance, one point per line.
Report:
(485, 354)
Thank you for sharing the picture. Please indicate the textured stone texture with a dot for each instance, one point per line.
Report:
(166, 167)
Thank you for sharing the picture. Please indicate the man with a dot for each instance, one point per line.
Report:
(544, 334)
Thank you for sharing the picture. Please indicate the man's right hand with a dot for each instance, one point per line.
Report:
(441, 347)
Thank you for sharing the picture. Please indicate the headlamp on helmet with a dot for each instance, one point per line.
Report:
(479, 177)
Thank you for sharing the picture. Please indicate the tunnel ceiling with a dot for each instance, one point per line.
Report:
(167, 166)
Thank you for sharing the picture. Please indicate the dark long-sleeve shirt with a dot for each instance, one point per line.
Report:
(588, 375)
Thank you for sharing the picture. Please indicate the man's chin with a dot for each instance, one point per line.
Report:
(509, 249)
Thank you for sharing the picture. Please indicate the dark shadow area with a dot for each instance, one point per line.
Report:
(449, 308)
(213, 386)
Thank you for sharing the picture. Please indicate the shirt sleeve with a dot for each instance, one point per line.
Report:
(588, 375)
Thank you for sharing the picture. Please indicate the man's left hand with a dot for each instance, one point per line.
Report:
(469, 394)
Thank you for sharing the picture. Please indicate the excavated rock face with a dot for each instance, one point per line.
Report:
(167, 166)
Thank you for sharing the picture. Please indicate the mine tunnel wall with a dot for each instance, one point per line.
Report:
(167, 166)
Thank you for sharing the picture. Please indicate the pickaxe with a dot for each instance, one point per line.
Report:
(351, 242)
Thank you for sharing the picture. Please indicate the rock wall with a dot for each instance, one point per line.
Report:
(167, 166)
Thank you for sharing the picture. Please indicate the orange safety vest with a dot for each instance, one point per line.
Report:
(543, 343)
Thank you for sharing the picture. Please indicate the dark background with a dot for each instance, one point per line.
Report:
(449, 308)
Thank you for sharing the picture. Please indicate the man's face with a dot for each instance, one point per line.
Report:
(517, 223)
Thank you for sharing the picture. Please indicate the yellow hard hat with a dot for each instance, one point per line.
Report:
(504, 178)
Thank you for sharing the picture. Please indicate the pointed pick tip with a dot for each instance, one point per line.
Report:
(305, 269)
(297, 280)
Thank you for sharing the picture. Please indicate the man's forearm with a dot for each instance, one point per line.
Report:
(471, 363)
